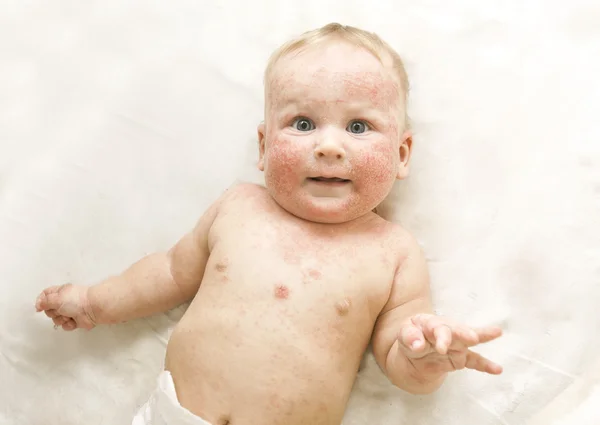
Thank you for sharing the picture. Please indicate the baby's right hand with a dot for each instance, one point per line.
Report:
(68, 306)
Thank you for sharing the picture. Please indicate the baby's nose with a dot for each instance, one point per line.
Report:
(329, 148)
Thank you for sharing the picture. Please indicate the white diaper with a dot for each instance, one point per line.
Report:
(163, 408)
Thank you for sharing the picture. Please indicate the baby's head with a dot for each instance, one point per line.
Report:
(336, 134)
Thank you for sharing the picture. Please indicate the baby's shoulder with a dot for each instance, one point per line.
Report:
(399, 241)
(403, 236)
(391, 230)
(240, 192)
(241, 198)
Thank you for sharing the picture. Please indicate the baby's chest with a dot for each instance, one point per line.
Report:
(306, 274)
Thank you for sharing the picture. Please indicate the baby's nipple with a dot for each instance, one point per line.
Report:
(343, 307)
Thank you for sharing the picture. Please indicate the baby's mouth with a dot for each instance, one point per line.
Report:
(328, 179)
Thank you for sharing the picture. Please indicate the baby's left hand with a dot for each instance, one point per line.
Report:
(435, 345)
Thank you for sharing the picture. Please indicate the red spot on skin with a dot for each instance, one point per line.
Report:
(290, 256)
(281, 291)
(315, 274)
(311, 275)
(222, 265)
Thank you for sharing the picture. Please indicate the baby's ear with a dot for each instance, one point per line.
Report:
(261, 146)
(404, 152)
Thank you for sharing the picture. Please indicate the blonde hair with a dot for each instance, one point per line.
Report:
(356, 36)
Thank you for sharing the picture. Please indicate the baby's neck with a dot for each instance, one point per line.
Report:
(366, 220)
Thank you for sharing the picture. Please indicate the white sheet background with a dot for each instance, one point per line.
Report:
(120, 121)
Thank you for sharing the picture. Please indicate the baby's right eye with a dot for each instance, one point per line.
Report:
(303, 124)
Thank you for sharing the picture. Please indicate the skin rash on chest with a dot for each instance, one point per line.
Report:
(298, 264)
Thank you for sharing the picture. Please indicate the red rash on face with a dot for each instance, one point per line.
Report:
(381, 94)
(372, 88)
(284, 164)
(372, 173)
(375, 167)
(330, 86)
(281, 291)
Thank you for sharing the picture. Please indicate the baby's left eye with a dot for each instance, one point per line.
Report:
(357, 127)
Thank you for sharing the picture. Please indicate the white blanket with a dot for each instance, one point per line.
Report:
(120, 121)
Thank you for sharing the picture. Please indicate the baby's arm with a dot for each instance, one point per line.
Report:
(410, 295)
(415, 348)
(156, 283)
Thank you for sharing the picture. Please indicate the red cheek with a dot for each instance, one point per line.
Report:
(283, 164)
(376, 166)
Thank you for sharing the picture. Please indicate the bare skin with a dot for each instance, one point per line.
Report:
(290, 283)
(287, 317)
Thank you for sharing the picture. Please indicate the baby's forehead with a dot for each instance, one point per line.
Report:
(334, 85)
(334, 73)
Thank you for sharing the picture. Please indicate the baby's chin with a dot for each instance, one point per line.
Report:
(326, 210)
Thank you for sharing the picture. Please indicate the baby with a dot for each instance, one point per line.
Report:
(291, 282)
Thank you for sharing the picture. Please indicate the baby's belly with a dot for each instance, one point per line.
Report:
(256, 364)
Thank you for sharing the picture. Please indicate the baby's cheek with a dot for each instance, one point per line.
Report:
(282, 166)
(377, 166)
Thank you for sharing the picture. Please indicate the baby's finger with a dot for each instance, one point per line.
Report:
(411, 338)
(69, 325)
(427, 323)
(42, 296)
(51, 313)
(60, 320)
(489, 333)
(476, 361)
(50, 301)
(463, 337)
(443, 338)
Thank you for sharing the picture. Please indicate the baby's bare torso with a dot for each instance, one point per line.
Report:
(286, 309)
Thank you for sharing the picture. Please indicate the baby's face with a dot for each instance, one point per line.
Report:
(332, 143)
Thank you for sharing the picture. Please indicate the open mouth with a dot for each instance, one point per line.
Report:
(328, 180)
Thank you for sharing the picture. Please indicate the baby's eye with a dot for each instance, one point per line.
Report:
(357, 127)
(303, 124)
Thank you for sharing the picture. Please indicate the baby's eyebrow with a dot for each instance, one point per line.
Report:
(291, 105)
(305, 101)
(301, 99)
